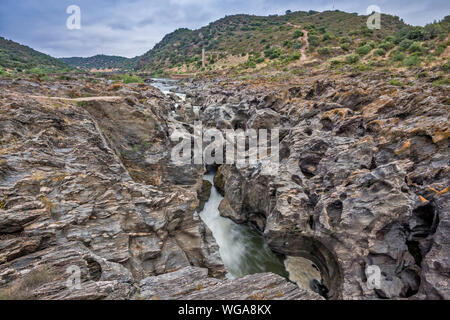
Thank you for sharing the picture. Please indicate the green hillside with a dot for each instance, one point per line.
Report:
(101, 62)
(242, 42)
(16, 58)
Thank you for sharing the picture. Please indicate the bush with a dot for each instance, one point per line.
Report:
(295, 56)
(327, 36)
(440, 49)
(323, 51)
(298, 34)
(287, 44)
(345, 47)
(446, 67)
(395, 82)
(298, 45)
(272, 53)
(38, 71)
(2, 71)
(380, 52)
(372, 44)
(352, 58)
(415, 47)
(362, 51)
(313, 40)
(386, 45)
(131, 79)
(335, 62)
(398, 56)
(405, 44)
(412, 61)
(442, 82)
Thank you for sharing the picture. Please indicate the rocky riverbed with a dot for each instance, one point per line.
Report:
(86, 181)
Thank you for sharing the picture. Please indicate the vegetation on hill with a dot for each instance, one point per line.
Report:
(244, 43)
(102, 62)
(17, 58)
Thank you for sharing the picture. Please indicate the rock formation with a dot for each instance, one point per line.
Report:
(86, 181)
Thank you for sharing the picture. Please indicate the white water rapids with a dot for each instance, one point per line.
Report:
(242, 248)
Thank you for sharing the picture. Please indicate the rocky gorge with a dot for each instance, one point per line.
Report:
(87, 184)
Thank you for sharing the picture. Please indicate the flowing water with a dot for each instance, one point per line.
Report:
(242, 247)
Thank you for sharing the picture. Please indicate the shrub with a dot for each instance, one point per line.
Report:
(386, 45)
(380, 52)
(335, 62)
(295, 56)
(131, 79)
(442, 82)
(405, 44)
(38, 71)
(313, 40)
(395, 82)
(2, 71)
(415, 47)
(446, 66)
(327, 36)
(372, 44)
(287, 44)
(272, 53)
(345, 47)
(298, 45)
(365, 49)
(412, 61)
(422, 75)
(440, 49)
(298, 34)
(398, 56)
(352, 58)
(324, 51)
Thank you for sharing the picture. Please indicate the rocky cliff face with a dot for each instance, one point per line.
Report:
(86, 181)
(363, 179)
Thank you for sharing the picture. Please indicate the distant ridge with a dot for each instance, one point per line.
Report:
(17, 57)
(102, 62)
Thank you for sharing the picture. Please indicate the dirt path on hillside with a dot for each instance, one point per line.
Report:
(305, 46)
(305, 43)
(85, 99)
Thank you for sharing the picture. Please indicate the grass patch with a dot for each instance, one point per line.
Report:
(395, 82)
(131, 78)
(442, 82)
(22, 289)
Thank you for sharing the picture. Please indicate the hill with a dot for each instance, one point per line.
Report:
(242, 42)
(15, 57)
(102, 62)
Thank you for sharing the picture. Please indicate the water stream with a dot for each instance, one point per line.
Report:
(243, 248)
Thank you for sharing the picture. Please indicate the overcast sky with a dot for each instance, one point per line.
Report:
(132, 27)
